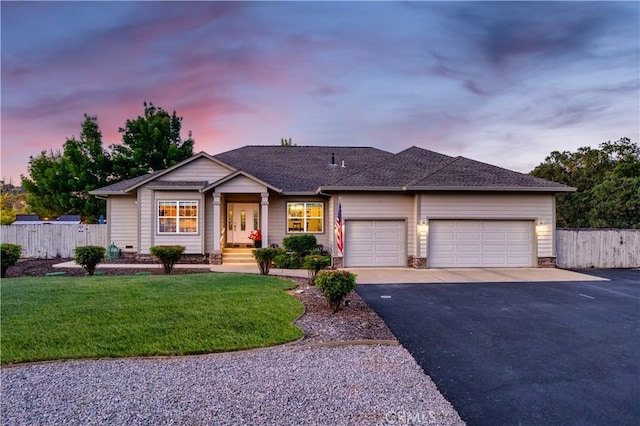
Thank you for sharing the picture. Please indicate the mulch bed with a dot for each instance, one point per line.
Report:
(41, 267)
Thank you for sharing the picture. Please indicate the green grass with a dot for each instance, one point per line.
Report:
(107, 316)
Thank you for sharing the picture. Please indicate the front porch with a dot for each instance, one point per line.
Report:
(235, 216)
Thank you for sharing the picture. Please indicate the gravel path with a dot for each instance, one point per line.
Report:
(280, 386)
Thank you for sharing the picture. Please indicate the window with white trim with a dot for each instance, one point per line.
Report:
(305, 217)
(177, 217)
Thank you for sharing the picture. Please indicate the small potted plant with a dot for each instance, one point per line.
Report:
(256, 236)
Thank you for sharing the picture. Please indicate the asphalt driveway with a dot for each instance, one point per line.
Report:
(525, 353)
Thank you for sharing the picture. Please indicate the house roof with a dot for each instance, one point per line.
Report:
(301, 169)
(314, 169)
(419, 169)
(462, 173)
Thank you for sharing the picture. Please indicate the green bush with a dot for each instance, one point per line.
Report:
(89, 257)
(9, 255)
(265, 257)
(314, 263)
(289, 260)
(300, 244)
(167, 255)
(335, 285)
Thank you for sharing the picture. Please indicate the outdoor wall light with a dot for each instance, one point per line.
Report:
(540, 225)
(423, 228)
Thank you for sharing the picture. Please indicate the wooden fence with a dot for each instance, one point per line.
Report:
(598, 248)
(47, 241)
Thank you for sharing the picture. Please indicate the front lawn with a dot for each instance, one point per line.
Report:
(45, 318)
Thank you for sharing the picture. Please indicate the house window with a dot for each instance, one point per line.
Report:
(177, 217)
(305, 217)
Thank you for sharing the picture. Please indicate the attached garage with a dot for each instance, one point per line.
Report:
(481, 243)
(375, 243)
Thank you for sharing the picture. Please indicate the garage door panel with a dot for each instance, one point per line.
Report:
(478, 243)
(375, 243)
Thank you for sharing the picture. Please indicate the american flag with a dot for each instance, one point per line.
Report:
(339, 226)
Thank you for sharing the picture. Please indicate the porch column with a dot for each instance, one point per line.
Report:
(216, 222)
(264, 219)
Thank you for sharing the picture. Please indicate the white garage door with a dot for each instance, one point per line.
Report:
(480, 243)
(375, 243)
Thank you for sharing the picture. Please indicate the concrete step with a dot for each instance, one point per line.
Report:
(237, 256)
(238, 261)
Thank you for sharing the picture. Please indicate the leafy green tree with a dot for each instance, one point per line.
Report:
(45, 183)
(607, 181)
(59, 183)
(286, 142)
(150, 143)
(13, 201)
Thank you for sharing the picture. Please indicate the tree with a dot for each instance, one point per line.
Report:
(13, 201)
(286, 142)
(607, 181)
(59, 183)
(150, 143)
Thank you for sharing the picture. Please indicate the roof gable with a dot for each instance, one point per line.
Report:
(133, 183)
(241, 178)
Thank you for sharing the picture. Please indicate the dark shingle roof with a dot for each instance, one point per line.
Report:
(395, 171)
(463, 172)
(301, 168)
(305, 169)
(124, 185)
(420, 169)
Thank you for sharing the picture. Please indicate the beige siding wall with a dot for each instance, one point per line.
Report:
(538, 207)
(123, 222)
(380, 205)
(207, 211)
(200, 169)
(278, 218)
(146, 222)
(194, 243)
(241, 184)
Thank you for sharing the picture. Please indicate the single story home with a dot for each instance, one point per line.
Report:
(415, 208)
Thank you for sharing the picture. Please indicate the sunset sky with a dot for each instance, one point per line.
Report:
(502, 82)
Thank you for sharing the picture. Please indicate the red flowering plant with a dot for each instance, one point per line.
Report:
(255, 235)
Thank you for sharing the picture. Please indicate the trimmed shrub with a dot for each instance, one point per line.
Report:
(89, 257)
(9, 255)
(289, 260)
(264, 257)
(314, 263)
(301, 244)
(167, 255)
(335, 285)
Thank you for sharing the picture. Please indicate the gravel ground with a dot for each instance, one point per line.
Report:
(283, 385)
(307, 382)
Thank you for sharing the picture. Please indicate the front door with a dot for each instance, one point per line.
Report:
(242, 218)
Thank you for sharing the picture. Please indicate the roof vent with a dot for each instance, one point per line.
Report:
(333, 164)
(342, 165)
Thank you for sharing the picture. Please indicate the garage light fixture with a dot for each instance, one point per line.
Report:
(423, 228)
